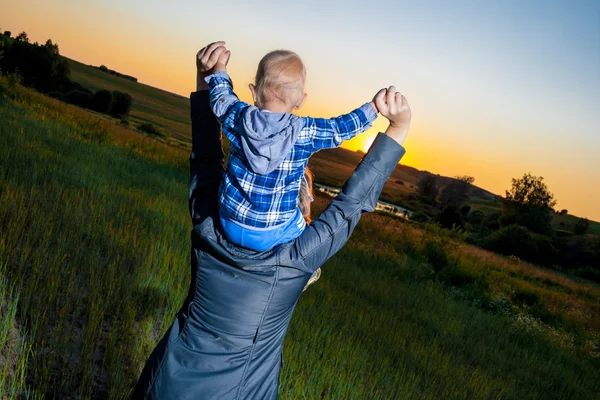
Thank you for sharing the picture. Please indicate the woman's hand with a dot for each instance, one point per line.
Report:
(209, 59)
(395, 108)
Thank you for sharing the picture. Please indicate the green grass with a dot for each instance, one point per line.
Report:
(14, 349)
(166, 110)
(569, 222)
(94, 231)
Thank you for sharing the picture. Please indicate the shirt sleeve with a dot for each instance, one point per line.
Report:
(206, 159)
(327, 133)
(327, 234)
(225, 104)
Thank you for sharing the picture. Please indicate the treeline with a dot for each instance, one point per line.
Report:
(521, 227)
(103, 68)
(42, 68)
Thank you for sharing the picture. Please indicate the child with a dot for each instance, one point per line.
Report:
(270, 148)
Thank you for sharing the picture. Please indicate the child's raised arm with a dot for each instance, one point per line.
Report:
(327, 133)
(224, 103)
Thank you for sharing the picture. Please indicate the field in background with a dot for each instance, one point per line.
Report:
(94, 236)
(168, 111)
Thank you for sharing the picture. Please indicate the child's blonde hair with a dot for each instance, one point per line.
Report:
(281, 75)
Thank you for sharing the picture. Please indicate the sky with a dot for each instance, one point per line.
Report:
(496, 88)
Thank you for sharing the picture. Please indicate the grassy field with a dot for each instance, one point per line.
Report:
(94, 250)
(167, 111)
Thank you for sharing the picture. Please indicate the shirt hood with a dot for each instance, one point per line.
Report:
(267, 138)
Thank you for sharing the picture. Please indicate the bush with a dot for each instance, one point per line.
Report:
(58, 95)
(578, 251)
(121, 105)
(80, 98)
(588, 273)
(450, 217)
(102, 101)
(492, 221)
(516, 240)
(581, 226)
(538, 220)
(477, 217)
(546, 251)
(512, 240)
(419, 217)
(437, 251)
(150, 129)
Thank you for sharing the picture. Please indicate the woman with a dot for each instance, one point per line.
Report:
(227, 339)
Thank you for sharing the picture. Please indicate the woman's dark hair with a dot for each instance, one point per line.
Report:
(306, 194)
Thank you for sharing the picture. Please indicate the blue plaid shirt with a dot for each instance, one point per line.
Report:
(265, 201)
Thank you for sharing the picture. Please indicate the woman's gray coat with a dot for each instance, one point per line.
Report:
(227, 339)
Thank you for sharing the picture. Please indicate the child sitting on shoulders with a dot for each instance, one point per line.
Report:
(270, 148)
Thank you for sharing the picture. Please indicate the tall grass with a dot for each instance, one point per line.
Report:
(94, 232)
(97, 237)
(14, 349)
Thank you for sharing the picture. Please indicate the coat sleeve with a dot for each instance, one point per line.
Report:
(206, 160)
(328, 233)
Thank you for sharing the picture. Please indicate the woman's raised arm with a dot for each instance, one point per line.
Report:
(206, 160)
(328, 233)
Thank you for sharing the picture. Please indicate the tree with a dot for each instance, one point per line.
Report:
(530, 191)
(456, 193)
(53, 47)
(40, 67)
(102, 101)
(564, 211)
(466, 179)
(581, 226)
(80, 98)
(529, 203)
(22, 37)
(427, 188)
(121, 104)
(8, 33)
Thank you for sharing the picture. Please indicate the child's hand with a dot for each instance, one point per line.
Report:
(394, 107)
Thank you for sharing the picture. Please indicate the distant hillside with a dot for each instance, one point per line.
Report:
(104, 68)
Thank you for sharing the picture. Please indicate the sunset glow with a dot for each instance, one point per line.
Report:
(497, 89)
